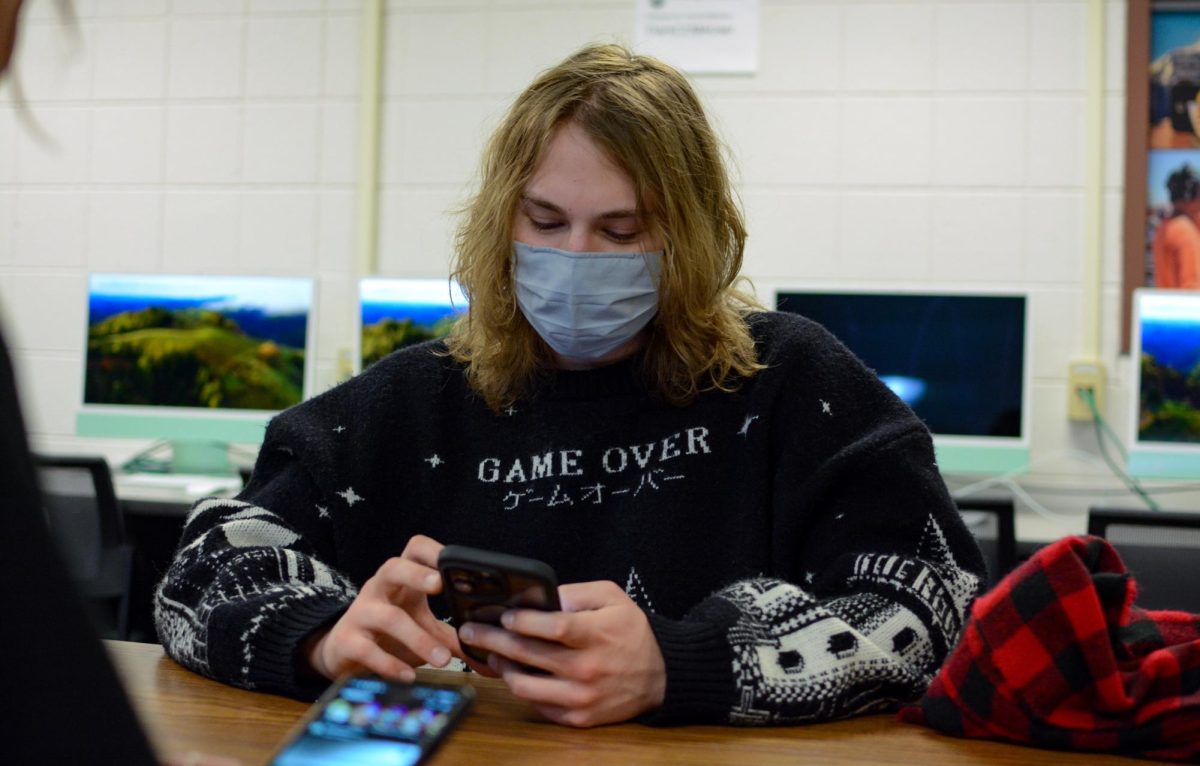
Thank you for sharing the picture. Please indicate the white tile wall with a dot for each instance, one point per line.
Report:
(49, 386)
(202, 143)
(791, 233)
(128, 144)
(130, 59)
(885, 236)
(800, 50)
(979, 142)
(977, 237)
(49, 230)
(283, 56)
(882, 142)
(886, 141)
(781, 141)
(8, 203)
(279, 143)
(52, 63)
(1055, 156)
(1057, 51)
(417, 231)
(901, 35)
(335, 231)
(339, 143)
(342, 65)
(199, 231)
(8, 142)
(53, 149)
(62, 327)
(982, 46)
(124, 231)
(1053, 246)
(277, 231)
(205, 58)
(416, 39)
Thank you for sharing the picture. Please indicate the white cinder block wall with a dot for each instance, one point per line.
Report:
(908, 143)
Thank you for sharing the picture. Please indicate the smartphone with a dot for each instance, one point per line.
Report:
(365, 719)
(481, 585)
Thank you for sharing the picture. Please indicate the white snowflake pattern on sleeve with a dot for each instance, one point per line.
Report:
(798, 659)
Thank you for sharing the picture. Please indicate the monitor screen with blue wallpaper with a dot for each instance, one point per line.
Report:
(1166, 407)
(399, 312)
(193, 357)
(960, 360)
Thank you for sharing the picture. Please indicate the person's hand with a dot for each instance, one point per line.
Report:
(601, 659)
(389, 628)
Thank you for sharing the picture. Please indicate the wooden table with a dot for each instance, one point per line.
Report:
(185, 712)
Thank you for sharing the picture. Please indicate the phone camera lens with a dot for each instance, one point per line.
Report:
(462, 582)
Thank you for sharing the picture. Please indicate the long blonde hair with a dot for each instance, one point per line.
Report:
(646, 116)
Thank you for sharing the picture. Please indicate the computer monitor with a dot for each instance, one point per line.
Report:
(399, 312)
(1166, 386)
(959, 359)
(199, 361)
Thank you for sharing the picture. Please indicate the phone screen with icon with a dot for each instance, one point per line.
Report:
(370, 721)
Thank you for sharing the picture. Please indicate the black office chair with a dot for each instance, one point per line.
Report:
(992, 522)
(1161, 550)
(85, 520)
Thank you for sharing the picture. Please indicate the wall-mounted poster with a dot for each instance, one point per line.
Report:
(1162, 158)
(1173, 165)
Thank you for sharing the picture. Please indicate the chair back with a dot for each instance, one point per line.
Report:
(81, 509)
(992, 522)
(1160, 549)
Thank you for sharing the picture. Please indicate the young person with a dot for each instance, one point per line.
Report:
(1176, 243)
(750, 526)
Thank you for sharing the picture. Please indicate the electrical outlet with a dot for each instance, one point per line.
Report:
(1084, 375)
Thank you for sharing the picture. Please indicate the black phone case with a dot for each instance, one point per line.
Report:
(481, 585)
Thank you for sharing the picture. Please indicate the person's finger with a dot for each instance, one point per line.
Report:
(566, 716)
(423, 550)
(359, 652)
(587, 596)
(543, 689)
(398, 574)
(533, 652)
(397, 624)
(566, 628)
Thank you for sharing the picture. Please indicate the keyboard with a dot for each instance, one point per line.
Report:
(177, 484)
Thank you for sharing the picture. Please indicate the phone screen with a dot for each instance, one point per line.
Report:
(374, 722)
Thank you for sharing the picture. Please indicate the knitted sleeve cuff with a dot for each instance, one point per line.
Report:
(271, 661)
(699, 665)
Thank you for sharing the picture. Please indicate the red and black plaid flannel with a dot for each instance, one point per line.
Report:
(1057, 655)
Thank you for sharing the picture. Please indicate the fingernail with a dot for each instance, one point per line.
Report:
(466, 634)
(408, 675)
(440, 656)
(432, 579)
(506, 619)
(494, 662)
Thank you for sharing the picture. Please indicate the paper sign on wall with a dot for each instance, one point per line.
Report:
(700, 36)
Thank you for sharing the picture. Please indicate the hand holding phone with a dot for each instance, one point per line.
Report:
(367, 719)
(481, 585)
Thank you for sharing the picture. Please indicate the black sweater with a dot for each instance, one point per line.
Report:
(792, 542)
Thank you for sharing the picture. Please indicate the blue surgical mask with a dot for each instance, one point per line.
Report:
(585, 305)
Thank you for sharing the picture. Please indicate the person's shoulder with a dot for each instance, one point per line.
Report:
(416, 370)
(782, 335)
(430, 358)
